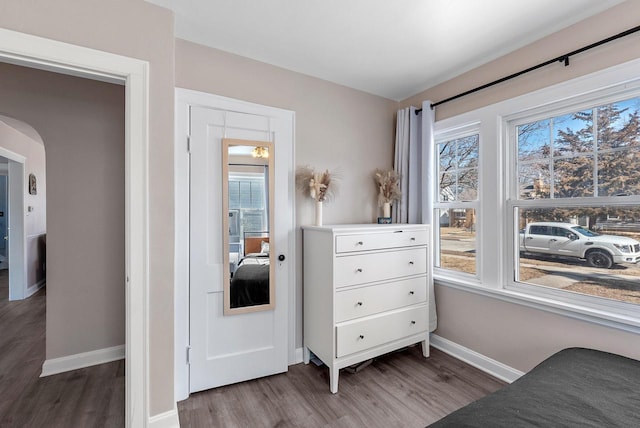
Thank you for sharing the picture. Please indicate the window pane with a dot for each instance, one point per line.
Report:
(447, 156)
(617, 173)
(534, 179)
(467, 188)
(588, 250)
(533, 140)
(447, 187)
(573, 177)
(458, 169)
(457, 238)
(573, 133)
(619, 124)
(467, 151)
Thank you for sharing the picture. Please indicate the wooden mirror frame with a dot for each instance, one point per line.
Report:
(227, 309)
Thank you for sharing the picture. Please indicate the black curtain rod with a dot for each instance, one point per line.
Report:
(562, 58)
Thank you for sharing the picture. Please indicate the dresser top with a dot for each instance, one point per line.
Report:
(367, 227)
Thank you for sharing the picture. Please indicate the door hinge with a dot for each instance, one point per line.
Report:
(188, 354)
(189, 144)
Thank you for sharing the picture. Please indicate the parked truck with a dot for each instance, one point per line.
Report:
(571, 240)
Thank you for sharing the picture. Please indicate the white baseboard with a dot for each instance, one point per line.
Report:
(165, 420)
(32, 289)
(482, 362)
(82, 360)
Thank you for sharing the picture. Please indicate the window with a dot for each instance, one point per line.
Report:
(456, 200)
(575, 200)
(247, 196)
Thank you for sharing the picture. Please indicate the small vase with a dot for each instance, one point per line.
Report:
(318, 213)
(386, 209)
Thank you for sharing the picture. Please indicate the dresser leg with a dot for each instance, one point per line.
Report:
(306, 355)
(425, 348)
(333, 379)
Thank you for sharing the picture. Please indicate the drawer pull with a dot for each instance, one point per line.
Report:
(413, 239)
(359, 243)
(411, 293)
(359, 270)
(361, 337)
(411, 263)
(359, 303)
(413, 322)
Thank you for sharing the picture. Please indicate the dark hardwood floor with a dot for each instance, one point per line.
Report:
(401, 389)
(91, 397)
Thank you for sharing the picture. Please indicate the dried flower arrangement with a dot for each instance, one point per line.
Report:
(388, 186)
(321, 186)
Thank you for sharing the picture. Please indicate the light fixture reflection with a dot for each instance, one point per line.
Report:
(260, 152)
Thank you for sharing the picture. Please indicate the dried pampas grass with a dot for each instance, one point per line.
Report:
(321, 186)
(388, 186)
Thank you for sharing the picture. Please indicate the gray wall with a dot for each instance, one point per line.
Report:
(135, 29)
(513, 334)
(82, 125)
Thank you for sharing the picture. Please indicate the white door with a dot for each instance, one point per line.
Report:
(235, 348)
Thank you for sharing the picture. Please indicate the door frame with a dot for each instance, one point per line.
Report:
(16, 248)
(185, 99)
(37, 52)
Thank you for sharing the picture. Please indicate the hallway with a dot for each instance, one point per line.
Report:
(90, 397)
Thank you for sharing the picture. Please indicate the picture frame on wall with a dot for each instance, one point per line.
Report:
(33, 190)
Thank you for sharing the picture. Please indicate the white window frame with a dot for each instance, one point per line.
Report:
(496, 241)
(441, 136)
(555, 110)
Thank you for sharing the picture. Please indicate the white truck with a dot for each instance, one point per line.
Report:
(571, 240)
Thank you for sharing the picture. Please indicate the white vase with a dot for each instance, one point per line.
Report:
(386, 209)
(318, 213)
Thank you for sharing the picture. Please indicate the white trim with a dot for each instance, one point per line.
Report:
(482, 362)
(297, 357)
(32, 289)
(168, 419)
(82, 360)
(39, 52)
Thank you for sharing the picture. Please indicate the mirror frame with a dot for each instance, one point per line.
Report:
(227, 309)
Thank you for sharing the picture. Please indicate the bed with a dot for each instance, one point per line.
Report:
(575, 387)
(250, 280)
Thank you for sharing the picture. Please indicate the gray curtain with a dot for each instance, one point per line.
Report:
(414, 162)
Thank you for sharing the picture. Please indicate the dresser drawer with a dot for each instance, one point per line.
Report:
(363, 268)
(377, 241)
(360, 302)
(358, 336)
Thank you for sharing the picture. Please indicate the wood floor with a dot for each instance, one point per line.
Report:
(398, 390)
(402, 389)
(91, 397)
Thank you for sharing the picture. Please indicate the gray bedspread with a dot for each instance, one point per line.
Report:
(575, 387)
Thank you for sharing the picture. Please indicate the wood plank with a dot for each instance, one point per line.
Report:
(398, 389)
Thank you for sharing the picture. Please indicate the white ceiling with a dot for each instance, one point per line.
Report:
(394, 49)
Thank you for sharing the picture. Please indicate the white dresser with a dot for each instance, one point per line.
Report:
(365, 292)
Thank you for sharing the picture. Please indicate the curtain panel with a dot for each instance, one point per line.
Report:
(414, 162)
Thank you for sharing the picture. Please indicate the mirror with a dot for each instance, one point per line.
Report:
(247, 208)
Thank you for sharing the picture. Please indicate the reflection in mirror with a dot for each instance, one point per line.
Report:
(247, 213)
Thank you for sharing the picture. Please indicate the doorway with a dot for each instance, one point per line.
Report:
(36, 52)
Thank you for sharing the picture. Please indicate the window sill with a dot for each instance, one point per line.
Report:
(599, 317)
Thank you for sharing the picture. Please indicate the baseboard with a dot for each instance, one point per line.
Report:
(165, 420)
(32, 289)
(82, 360)
(482, 362)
